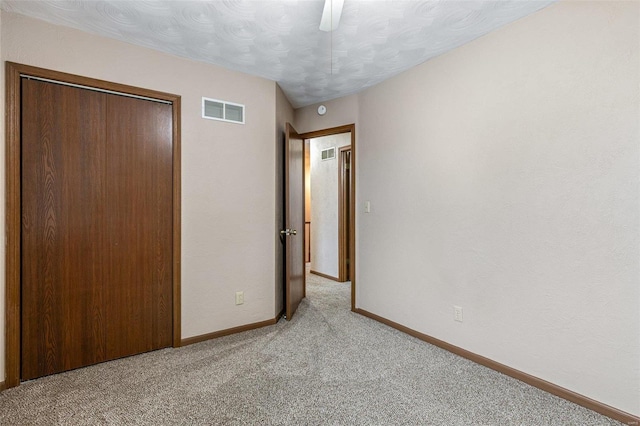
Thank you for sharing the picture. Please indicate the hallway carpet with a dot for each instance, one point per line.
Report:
(328, 366)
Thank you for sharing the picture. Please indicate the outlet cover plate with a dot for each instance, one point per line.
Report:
(457, 313)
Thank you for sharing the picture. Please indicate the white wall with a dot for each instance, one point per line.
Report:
(503, 178)
(228, 170)
(324, 203)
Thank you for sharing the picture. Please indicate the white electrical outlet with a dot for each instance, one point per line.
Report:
(239, 297)
(457, 313)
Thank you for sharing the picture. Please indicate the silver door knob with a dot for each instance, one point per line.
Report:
(289, 232)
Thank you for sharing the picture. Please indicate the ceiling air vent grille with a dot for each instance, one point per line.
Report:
(215, 109)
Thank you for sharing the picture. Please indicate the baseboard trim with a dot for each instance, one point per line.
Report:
(2, 386)
(228, 331)
(320, 274)
(554, 389)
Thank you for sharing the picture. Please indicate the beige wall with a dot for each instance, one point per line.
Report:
(339, 112)
(284, 115)
(228, 170)
(503, 178)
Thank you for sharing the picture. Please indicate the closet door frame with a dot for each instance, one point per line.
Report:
(13, 73)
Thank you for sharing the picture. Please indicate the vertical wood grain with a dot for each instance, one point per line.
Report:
(139, 205)
(62, 222)
(344, 207)
(177, 223)
(294, 219)
(14, 192)
(12, 226)
(352, 217)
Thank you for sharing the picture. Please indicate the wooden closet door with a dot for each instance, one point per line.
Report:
(139, 225)
(97, 206)
(62, 242)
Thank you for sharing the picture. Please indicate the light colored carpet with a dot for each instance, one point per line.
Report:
(328, 366)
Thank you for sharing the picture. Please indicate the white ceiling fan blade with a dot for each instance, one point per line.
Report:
(331, 15)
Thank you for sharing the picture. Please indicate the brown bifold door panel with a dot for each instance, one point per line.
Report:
(139, 226)
(294, 221)
(96, 227)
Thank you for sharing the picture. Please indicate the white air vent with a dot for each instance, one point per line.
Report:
(215, 109)
(328, 154)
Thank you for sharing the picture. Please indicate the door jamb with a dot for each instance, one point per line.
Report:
(352, 214)
(13, 220)
(343, 220)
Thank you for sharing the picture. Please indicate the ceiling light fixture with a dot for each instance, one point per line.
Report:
(331, 15)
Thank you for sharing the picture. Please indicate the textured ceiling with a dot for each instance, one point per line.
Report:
(280, 39)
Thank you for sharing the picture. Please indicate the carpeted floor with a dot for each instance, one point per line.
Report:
(327, 366)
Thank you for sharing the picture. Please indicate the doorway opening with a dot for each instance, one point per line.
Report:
(330, 204)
